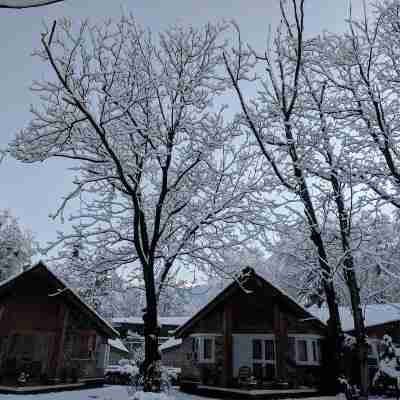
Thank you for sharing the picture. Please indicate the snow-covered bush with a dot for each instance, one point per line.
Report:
(388, 373)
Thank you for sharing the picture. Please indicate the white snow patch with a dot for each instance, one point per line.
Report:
(161, 320)
(171, 342)
(374, 314)
(150, 396)
(117, 344)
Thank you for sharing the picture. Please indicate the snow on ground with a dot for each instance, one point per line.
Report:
(105, 393)
(120, 393)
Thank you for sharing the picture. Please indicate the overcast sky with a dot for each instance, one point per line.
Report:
(34, 191)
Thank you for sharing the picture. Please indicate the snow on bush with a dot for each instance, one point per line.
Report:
(389, 364)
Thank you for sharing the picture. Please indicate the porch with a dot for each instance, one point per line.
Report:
(249, 393)
(50, 388)
(35, 359)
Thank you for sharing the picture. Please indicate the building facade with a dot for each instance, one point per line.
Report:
(254, 325)
(47, 333)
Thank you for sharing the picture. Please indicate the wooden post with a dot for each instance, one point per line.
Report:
(227, 343)
(281, 344)
(58, 350)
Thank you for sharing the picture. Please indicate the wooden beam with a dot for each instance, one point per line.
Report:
(227, 372)
(58, 350)
(281, 343)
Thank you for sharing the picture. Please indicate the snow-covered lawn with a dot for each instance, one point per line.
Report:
(120, 393)
(104, 393)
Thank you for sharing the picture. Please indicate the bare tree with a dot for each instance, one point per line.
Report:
(364, 69)
(274, 121)
(162, 183)
(16, 246)
(335, 169)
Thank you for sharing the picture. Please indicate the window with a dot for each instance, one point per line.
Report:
(316, 350)
(264, 350)
(302, 350)
(269, 350)
(203, 349)
(257, 349)
(207, 349)
(305, 349)
(263, 358)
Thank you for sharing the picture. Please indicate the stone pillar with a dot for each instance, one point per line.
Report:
(281, 343)
(227, 371)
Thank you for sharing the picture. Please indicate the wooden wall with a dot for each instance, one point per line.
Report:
(259, 312)
(35, 313)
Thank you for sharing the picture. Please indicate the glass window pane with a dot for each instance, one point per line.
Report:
(302, 350)
(315, 350)
(257, 349)
(269, 350)
(207, 347)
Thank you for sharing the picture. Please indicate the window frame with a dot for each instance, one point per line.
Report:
(311, 341)
(263, 362)
(198, 348)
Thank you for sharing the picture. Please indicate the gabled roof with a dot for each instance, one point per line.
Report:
(41, 271)
(239, 284)
(374, 314)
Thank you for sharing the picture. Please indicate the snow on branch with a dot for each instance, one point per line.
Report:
(20, 4)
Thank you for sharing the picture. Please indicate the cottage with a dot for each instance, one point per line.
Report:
(252, 326)
(48, 335)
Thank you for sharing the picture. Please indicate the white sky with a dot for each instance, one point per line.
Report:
(32, 192)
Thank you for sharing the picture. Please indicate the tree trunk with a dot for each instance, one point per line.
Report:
(352, 285)
(334, 356)
(335, 334)
(359, 326)
(152, 375)
(151, 367)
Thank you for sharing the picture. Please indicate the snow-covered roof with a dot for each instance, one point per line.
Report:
(117, 344)
(171, 342)
(175, 321)
(374, 314)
